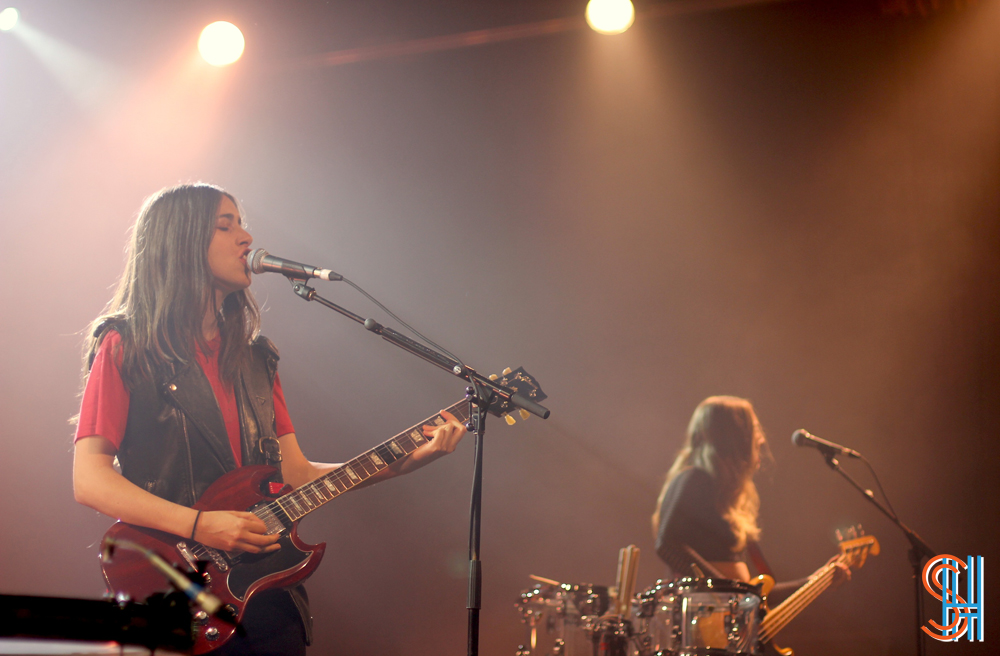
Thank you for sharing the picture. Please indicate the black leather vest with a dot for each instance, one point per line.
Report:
(175, 443)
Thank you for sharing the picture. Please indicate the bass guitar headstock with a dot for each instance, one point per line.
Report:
(856, 546)
(522, 383)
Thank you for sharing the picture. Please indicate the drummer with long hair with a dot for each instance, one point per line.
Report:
(706, 515)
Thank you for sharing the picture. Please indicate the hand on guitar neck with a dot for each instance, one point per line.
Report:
(841, 572)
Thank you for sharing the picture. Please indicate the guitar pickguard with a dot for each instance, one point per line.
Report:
(251, 568)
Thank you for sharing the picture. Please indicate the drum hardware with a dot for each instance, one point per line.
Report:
(582, 619)
(613, 636)
(561, 617)
(690, 616)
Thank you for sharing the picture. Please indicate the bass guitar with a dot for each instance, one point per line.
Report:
(235, 576)
(853, 553)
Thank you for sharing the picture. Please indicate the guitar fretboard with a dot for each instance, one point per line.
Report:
(853, 554)
(303, 500)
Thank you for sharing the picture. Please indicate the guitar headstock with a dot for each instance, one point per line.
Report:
(522, 383)
(856, 546)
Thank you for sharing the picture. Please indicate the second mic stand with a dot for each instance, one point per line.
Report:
(918, 548)
(482, 393)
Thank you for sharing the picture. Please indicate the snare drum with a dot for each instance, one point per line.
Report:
(561, 618)
(699, 617)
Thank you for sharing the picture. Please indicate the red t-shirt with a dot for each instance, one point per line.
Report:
(104, 409)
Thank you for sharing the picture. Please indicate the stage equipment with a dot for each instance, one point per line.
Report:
(561, 617)
(610, 16)
(221, 43)
(716, 616)
(260, 261)
(486, 395)
(802, 437)
(918, 548)
(163, 621)
(8, 19)
(581, 619)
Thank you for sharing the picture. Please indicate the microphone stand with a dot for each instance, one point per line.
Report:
(482, 393)
(918, 548)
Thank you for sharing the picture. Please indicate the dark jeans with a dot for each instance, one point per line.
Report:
(273, 626)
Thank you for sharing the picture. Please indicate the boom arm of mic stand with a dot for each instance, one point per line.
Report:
(918, 548)
(430, 355)
(915, 540)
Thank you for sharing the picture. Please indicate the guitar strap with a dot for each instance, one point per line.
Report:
(757, 556)
(271, 449)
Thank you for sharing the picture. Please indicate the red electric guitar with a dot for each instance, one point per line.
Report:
(235, 576)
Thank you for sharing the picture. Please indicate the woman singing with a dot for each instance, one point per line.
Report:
(181, 389)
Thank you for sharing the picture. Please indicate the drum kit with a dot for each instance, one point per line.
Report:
(683, 617)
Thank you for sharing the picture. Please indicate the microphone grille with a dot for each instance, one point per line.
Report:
(257, 260)
(799, 437)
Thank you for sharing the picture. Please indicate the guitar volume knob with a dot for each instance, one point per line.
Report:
(200, 617)
(211, 633)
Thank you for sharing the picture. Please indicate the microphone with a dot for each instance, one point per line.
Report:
(802, 437)
(204, 599)
(261, 262)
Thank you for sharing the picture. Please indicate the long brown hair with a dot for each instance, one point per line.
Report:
(166, 289)
(721, 439)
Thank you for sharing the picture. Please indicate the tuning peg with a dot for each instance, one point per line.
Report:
(861, 530)
(505, 371)
(493, 376)
(852, 533)
(524, 413)
(510, 420)
(840, 536)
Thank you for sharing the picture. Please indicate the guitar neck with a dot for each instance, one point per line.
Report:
(779, 617)
(303, 500)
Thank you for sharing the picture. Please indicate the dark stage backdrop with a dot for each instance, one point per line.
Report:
(797, 203)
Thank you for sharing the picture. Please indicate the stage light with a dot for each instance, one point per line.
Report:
(610, 16)
(8, 19)
(221, 43)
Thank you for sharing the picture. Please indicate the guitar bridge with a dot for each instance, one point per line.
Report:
(204, 553)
